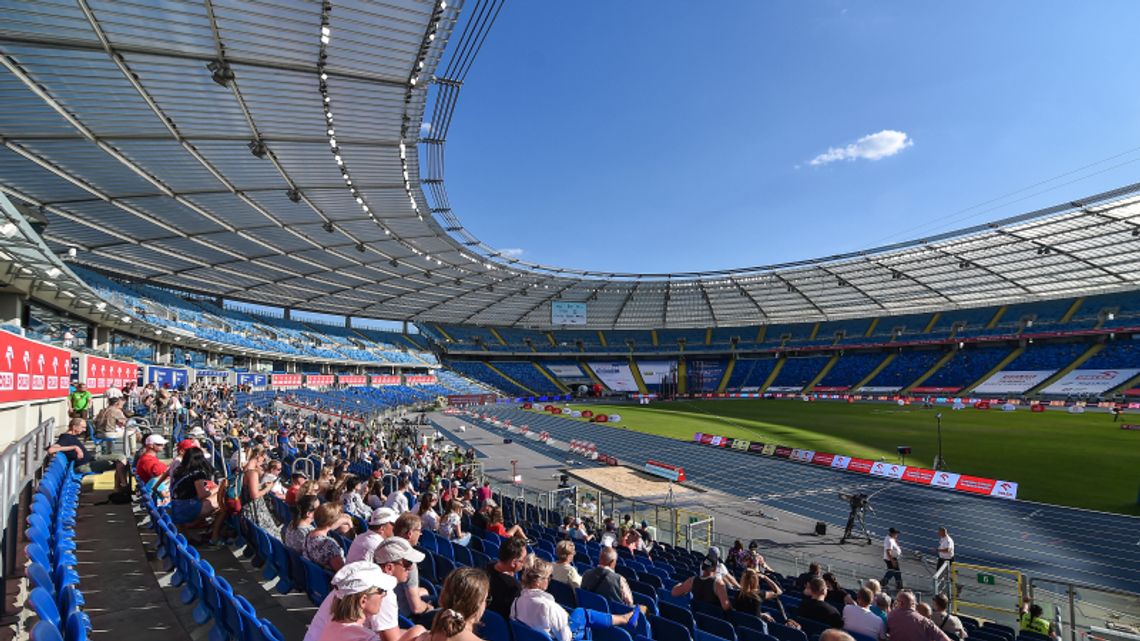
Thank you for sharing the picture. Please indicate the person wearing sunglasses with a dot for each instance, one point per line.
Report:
(396, 558)
(359, 590)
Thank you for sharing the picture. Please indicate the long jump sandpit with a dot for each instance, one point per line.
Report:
(631, 483)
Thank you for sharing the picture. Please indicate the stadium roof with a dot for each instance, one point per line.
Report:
(191, 145)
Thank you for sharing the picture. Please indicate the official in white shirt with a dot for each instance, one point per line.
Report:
(891, 554)
(945, 548)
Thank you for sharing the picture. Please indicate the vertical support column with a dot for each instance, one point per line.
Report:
(99, 338)
(13, 310)
(162, 354)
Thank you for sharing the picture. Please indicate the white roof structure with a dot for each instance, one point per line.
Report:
(271, 151)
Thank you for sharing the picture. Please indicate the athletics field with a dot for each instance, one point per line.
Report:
(1082, 460)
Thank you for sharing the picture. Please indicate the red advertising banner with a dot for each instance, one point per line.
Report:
(974, 484)
(385, 379)
(352, 379)
(420, 379)
(31, 371)
(101, 373)
(861, 465)
(319, 380)
(918, 475)
(285, 380)
(783, 452)
(823, 459)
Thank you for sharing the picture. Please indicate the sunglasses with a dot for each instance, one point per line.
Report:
(407, 564)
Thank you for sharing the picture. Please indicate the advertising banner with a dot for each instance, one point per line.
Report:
(285, 380)
(31, 371)
(888, 470)
(877, 389)
(840, 462)
(1090, 381)
(221, 374)
(803, 456)
(945, 479)
(823, 459)
(769, 450)
(319, 380)
(704, 376)
(566, 371)
(918, 475)
(782, 452)
(165, 377)
(756, 448)
(419, 379)
(654, 373)
(1013, 381)
(565, 313)
(861, 465)
(975, 484)
(785, 388)
(379, 380)
(102, 373)
(252, 379)
(357, 380)
(1004, 490)
(617, 376)
(697, 437)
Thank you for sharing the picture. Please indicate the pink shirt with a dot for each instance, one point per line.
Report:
(484, 493)
(347, 632)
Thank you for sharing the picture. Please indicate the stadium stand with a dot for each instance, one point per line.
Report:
(750, 373)
(850, 369)
(967, 366)
(905, 369)
(798, 371)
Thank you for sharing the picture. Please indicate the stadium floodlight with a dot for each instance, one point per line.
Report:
(220, 72)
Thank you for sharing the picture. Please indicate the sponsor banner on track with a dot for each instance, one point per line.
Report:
(617, 376)
(888, 470)
(823, 459)
(758, 448)
(803, 456)
(102, 373)
(697, 437)
(782, 452)
(918, 475)
(30, 370)
(840, 462)
(945, 479)
(975, 484)
(1013, 381)
(769, 450)
(1090, 381)
(1004, 490)
(706, 439)
(861, 465)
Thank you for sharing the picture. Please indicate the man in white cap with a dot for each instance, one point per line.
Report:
(148, 466)
(379, 528)
(352, 578)
(396, 557)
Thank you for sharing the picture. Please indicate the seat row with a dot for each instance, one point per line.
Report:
(55, 596)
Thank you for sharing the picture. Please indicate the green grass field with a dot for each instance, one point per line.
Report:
(1083, 460)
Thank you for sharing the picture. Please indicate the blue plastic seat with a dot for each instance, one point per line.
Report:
(45, 606)
(563, 593)
(318, 581)
(493, 626)
(591, 601)
(714, 625)
(701, 635)
(610, 634)
(45, 631)
(784, 633)
(668, 630)
(744, 633)
(523, 632)
(676, 613)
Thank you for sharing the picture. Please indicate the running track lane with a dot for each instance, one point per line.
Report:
(1041, 540)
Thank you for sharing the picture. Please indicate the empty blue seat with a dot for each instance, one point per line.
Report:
(676, 613)
(591, 601)
(715, 625)
(523, 632)
(668, 630)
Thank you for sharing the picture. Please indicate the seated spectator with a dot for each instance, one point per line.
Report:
(836, 595)
(426, 511)
(537, 608)
(858, 617)
(396, 557)
(451, 528)
(179, 451)
(722, 572)
(353, 498)
(71, 445)
(375, 496)
(111, 422)
(380, 525)
(1033, 619)
(359, 590)
(802, 580)
(505, 588)
(904, 623)
(751, 597)
(398, 499)
(495, 524)
(294, 489)
(319, 547)
(882, 606)
(736, 555)
(195, 497)
(603, 580)
(482, 517)
(345, 583)
(564, 570)
(148, 466)
(462, 601)
(945, 621)
(707, 587)
(293, 533)
(409, 595)
(815, 606)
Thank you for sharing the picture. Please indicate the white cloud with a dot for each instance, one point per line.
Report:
(887, 142)
(511, 252)
(425, 130)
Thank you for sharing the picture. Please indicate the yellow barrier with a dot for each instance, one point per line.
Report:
(980, 587)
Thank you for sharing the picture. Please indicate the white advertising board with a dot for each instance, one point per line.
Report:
(1091, 381)
(1013, 381)
(616, 376)
(566, 371)
(653, 372)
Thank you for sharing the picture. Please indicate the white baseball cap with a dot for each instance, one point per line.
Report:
(155, 439)
(361, 576)
(395, 548)
(383, 515)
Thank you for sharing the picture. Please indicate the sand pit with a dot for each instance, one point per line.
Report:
(634, 484)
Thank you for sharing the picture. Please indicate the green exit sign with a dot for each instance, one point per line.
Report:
(985, 579)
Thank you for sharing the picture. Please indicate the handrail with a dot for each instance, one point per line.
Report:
(22, 458)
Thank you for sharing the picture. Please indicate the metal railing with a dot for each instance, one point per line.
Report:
(20, 463)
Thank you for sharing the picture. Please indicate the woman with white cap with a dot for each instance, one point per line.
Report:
(358, 591)
(537, 608)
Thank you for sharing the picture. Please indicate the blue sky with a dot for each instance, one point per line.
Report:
(670, 136)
